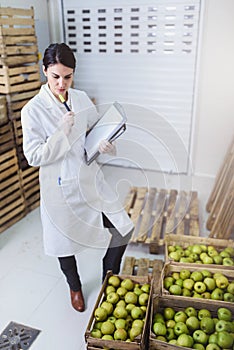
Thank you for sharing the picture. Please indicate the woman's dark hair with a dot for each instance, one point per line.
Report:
(59, 53)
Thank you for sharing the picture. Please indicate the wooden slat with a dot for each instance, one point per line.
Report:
(146, 219)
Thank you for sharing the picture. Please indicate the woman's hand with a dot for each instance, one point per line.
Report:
(68, 122)
(107, 147)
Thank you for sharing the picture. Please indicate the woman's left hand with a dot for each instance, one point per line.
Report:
(107, 147)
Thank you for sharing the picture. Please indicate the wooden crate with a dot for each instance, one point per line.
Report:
(155, 213)
(185, 241)
(16, 101)
(12, 204)
(220, 204)
(3, 110)
(144, 267)
(140, 343)
(161, 302)
(6, 137)
(30, 184)
(17, 21)
(170, 268)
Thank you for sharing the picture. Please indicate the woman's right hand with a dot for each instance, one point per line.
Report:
(68, 122)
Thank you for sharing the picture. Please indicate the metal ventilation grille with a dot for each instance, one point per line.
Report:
(17, 337)
(167, 28)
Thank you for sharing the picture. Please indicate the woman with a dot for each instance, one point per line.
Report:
(76, 202)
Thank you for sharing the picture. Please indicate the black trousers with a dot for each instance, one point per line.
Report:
(111, 260)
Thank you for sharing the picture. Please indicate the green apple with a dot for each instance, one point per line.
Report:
(208, 260)
(194, 256)
(158, 317)
(190, 311)
(130, 298)
(176, 275)
(121, 291)
(213, 252)
(223, 325)
(203, 255)
(138, 323)
(109, 289)
(98, 324)
(161, 338)
(137, 291)
(200, 337)
(174, 255)
(114, 281)
(120, 312)
(180, 316)
(170, 323)
(224, 254)
(168, 281)
(143, 299)
(188, 283)
(100, 314)
(230, 251)
(107, 337)
(108, 306)
(120, 323)
(120, 334)
(107, 327)
(210, 283)
(203, 313)
(206, 295)
(199, 287)
(96, 333)
(170, 334)
(129, 307)
(217, 294)
(230, 288)
(112, 297)
(168, 313)
(170, 248)
(218, 260)
(196, 295)
(206, 273)
(212, 347)
(185, 340)
(198, 346)
(186, 292)
(179, 282)
(175, 289)
(203, 247)
(145, 288)
(121, 302)
(196, 276)
(159, 328)
(213, 338)
(137, 312)
(180, 328)
(224, 313)
(222, 282)
(228, 297)
(172, 342)
(225, 340)
(192, 323)
(207, 325)
(196, 248)
(184, 274)
(127, 283)
(228, 262)
(112, 318)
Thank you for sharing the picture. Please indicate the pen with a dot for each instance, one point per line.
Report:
(64, 102)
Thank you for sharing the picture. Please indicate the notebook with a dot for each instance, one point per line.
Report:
(109, 127)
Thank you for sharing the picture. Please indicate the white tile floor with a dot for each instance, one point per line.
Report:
(33, 291)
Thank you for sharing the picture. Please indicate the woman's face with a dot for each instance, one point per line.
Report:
(59, 78)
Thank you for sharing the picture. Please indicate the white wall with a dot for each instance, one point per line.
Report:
(214, 124)
(214, 110)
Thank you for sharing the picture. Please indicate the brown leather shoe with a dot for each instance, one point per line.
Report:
(77, 300)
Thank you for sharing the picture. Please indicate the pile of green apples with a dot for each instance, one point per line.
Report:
(200, 284)
(121, 313)
(193, 328)
(201, 254)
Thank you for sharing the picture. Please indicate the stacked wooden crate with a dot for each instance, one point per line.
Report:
(19, 82)
(220, 204)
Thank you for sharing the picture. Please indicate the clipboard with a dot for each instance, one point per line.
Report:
(109, 127)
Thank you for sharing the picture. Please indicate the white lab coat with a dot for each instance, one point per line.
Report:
(73, 195)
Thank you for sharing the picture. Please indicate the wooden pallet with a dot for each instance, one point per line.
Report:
(6, 137)
(12, 204)
(220, 204)
(3, 110)
(144, 267)
(156, 213)
(30, 184)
